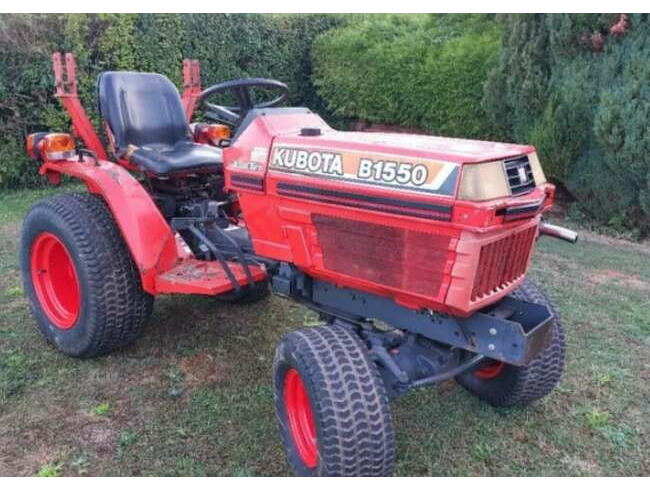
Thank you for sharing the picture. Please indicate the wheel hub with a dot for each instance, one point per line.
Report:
(55, 280)
(300, 418)
(489, 370)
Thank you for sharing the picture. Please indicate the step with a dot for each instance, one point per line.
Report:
(193, 276)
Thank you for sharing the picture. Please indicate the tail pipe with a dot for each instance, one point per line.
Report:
(558, 232)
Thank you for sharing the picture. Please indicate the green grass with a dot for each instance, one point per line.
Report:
(102, 409)
(49, 470)
(192, 396)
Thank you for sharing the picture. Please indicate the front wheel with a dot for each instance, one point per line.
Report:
(502, 384)
(82, 285)
(331, 406)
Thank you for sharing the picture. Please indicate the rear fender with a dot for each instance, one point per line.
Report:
(150, 240)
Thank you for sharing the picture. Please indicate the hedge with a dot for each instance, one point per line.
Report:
(418, 71)
(575, 85)
(228, 46)
(578, 87)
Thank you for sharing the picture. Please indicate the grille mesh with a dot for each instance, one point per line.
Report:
(405, 259)
(502, 262)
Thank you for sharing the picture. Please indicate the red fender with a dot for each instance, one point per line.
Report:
(150, 239)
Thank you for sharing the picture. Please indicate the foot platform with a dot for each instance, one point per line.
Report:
(201, 277)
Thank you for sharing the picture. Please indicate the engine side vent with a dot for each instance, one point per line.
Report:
(404, 259)
(520, 175)
(502, 262)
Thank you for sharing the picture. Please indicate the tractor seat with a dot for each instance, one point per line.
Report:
(144, 110)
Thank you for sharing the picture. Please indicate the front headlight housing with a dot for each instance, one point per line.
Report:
(486, 181)
(483, 181)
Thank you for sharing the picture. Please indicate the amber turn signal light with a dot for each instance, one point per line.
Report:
(32, 145)
(58, 146)
(217, 132)
(211, 134)
(51, 146)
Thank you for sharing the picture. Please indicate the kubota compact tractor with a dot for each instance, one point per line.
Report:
(413, 249)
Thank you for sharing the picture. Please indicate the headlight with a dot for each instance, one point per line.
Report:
(483, 181)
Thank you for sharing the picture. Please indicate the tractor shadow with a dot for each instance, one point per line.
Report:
(195, 332)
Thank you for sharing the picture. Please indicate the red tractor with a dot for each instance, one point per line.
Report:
(413, 250)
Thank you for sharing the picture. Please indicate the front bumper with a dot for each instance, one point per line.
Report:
(510, 330)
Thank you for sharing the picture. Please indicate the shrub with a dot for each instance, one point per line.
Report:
(26, 105)
(228, 46)
(581, 93)
(426, 72)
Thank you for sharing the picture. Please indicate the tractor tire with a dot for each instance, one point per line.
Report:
(78, 275)
(331, 405)
(502, 384)
(247, 296)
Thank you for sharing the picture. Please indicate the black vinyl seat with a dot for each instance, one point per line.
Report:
(144, 110)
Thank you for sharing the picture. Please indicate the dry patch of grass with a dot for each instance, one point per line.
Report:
(609, 276)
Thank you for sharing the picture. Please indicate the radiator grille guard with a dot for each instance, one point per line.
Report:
(408, 260)
(419, 263)
(502, 262)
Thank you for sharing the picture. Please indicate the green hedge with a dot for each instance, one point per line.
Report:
(581, 94)
(564, 82)
(412, 70)
(228, 46)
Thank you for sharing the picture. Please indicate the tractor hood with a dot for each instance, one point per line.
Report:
(454, 150)
(416, 163)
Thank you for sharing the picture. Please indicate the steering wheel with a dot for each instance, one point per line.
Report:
(241, 90)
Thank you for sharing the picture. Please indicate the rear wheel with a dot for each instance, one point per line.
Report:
(502, 384)
(82, 285)
(331, 405)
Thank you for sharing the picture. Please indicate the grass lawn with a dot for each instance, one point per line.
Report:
(193, 395)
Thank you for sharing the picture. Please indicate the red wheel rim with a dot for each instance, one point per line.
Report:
(55, 280)
(490, 370)
(300, 418)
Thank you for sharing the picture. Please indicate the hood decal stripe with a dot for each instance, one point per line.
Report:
(440, 212)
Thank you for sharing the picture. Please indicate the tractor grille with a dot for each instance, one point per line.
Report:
(520, 175)
(409, 260)
(502, 262)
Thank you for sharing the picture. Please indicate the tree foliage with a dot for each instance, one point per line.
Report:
(577, 86)
(425, 72)
(227, 45)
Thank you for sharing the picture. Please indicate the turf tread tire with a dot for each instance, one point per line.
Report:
(522, 385)
(114, 308)
(354, 427)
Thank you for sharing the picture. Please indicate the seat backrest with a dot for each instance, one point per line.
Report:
(141, 109)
